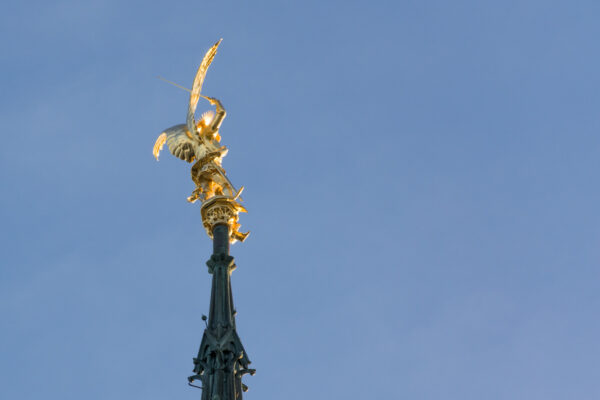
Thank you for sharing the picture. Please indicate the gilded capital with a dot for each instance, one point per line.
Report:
(223, 210)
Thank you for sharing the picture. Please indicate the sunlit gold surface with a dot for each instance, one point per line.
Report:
(223, 210)
(198, 142)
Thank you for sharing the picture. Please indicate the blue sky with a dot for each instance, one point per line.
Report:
(421, 179)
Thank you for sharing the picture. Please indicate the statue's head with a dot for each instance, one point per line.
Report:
(204, 122)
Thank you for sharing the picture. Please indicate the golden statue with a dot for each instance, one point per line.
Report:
(200, 142)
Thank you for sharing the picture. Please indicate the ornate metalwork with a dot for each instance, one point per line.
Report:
(199, 142)
(223, 210)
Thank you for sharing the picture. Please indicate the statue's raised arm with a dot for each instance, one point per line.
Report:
(220, 115)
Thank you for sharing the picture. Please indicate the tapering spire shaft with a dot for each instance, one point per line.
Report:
(222, 359)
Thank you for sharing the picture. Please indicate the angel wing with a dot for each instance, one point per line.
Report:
(197, 86)
(180, 143)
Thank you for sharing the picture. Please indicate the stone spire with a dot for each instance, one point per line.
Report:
(222, 359)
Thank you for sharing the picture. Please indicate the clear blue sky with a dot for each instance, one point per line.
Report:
(421, 179)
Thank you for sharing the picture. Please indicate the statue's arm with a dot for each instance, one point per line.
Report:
(220, 114)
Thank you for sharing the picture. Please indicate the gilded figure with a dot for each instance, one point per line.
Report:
(199, 142)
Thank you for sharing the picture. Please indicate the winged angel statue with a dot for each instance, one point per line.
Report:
(199, 141)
